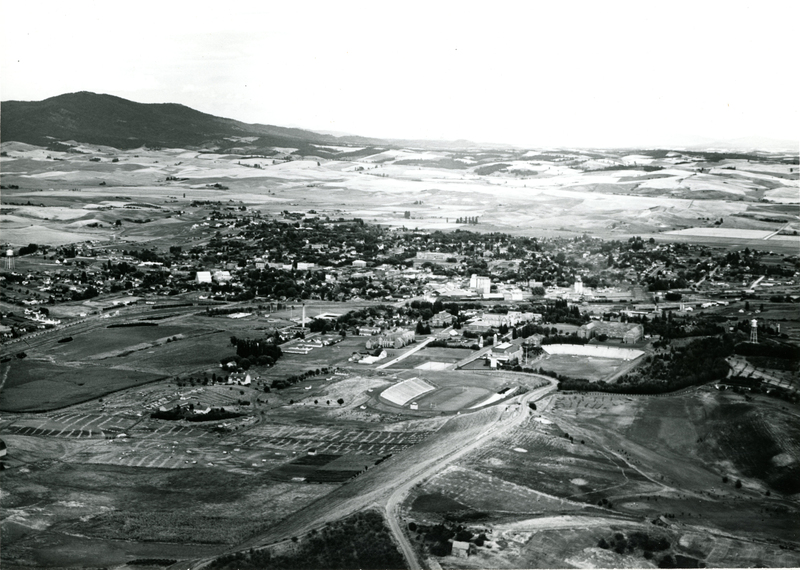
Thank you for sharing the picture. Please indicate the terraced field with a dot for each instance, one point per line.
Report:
(329, 440)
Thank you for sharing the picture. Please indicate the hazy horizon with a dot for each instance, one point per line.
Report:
(615, 75)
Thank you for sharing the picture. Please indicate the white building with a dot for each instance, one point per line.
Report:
(203, 277)
(482, 285)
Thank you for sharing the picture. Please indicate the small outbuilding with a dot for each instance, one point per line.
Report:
(462, 549)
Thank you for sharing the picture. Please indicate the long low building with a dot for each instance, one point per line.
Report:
(593, 350)
(630, 333)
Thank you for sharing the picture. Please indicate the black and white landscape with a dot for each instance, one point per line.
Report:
(286, 290)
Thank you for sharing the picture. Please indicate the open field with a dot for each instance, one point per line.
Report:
(109, 503)
(570, 196)
(105, 342)
(36, 385)
(609, 461)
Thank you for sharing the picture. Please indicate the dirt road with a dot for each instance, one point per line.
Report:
(386, 486)
(398, 496)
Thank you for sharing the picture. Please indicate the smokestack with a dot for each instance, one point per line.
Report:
(303, 321)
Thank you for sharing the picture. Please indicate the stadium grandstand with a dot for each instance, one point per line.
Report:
(402, 393)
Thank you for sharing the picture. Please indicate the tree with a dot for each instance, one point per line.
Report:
(340, 401)
(28, 249)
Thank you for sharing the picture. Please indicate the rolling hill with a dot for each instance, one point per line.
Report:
(113, 121)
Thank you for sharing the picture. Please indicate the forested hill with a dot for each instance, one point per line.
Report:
(108, 120)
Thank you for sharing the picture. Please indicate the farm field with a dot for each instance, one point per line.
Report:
(569, 199)
(104, 342)
(37, 385)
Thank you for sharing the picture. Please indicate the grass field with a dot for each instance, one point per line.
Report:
(453, 398)
(36, 385)
(102, 341)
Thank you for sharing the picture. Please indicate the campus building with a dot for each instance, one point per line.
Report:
(482, 285)
(628, 333)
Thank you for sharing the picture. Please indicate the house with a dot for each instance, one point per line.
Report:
(222, 276)
(462, 549)
(242, 378)
(203, 277)
(359, 263)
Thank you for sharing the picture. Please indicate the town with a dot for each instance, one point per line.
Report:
(293, 350)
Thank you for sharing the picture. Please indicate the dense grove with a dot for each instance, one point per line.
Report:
(360, 541)
(700, 361)
(187, 413)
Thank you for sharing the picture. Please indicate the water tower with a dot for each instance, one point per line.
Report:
(754, 331)
(8, 261)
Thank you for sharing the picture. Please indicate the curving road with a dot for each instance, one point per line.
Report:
(390, 501)
(497, 429)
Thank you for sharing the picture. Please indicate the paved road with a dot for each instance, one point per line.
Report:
(496, 430)
(417, 347)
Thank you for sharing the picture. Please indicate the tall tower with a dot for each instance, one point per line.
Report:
(8, 261)
(754, 331)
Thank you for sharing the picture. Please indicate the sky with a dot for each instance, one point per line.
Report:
(537, 74)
